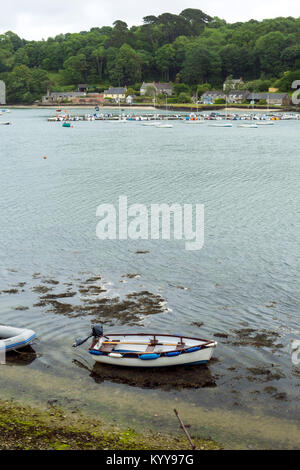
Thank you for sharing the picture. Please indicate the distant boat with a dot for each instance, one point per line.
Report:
(164, 126)
(265, 123)
(5, 123)
(150, 124)
(221, 124)
(148, 350)
(249, 126)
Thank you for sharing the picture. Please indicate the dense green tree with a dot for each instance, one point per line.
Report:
(201, 64)
(165, 60)
(191, 47)
(269, 48)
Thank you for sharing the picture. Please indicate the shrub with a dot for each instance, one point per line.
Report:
(184, 98)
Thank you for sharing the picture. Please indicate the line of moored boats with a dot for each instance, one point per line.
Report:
(190, 118)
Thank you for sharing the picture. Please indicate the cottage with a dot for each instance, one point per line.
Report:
(60, 96)
(237, 96)
(233, 84)
(209, 97)
(130, 99)
(159, 88)
(2, 92)
(275, 99)
(83, 88)
(116, 94)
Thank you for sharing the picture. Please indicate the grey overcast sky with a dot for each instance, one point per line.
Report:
(38, 19)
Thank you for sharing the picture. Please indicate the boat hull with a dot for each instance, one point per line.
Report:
(148, 351)
(15, 338)
(194, 358)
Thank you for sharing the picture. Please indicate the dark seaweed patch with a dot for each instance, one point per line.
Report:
(258, 339)
(58, 296)
(41, 289)
(10, 291)
(50, 281)
(262, 374)
(198, 324)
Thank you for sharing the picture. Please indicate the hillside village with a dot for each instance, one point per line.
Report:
(153, 92)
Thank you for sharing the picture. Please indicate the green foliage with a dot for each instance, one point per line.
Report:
(184, 98)
(203, 88)
(285, 82)
(191, 49)
(258, 86)
(220, 101)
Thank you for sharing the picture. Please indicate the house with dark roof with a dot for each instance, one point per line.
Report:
(275, 99)
(209, 97)
(61, 96)
(237, 96)
(159, 88)
(83, 87)
(116, 94)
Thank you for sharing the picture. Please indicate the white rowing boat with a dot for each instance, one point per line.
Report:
(15, 338)
(221, 124)
(148, 350)
(164, 126)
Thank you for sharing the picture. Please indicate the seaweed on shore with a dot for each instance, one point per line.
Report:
(57, 429)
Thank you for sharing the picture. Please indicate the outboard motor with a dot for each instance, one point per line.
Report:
(97, 332)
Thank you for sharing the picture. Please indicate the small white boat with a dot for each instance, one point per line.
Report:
(164, 126)
(265, 123)
(249, 126)
(221, 124)
(5, 123)
(148, 350)
(151, 124)
(15, 338)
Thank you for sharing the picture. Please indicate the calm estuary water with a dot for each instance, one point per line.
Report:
(243, 285)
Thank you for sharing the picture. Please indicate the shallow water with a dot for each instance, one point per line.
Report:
(245, 277)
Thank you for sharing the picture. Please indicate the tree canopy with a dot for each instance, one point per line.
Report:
(191, 47)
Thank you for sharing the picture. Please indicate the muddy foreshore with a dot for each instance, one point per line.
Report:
(26, 428)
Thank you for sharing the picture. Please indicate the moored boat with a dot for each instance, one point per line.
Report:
(221, 124)
(148, 349)
(15, 338)
(164, 126)
(249, 126)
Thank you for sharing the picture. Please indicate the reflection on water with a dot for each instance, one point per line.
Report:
(21, 357)
(173, 378)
